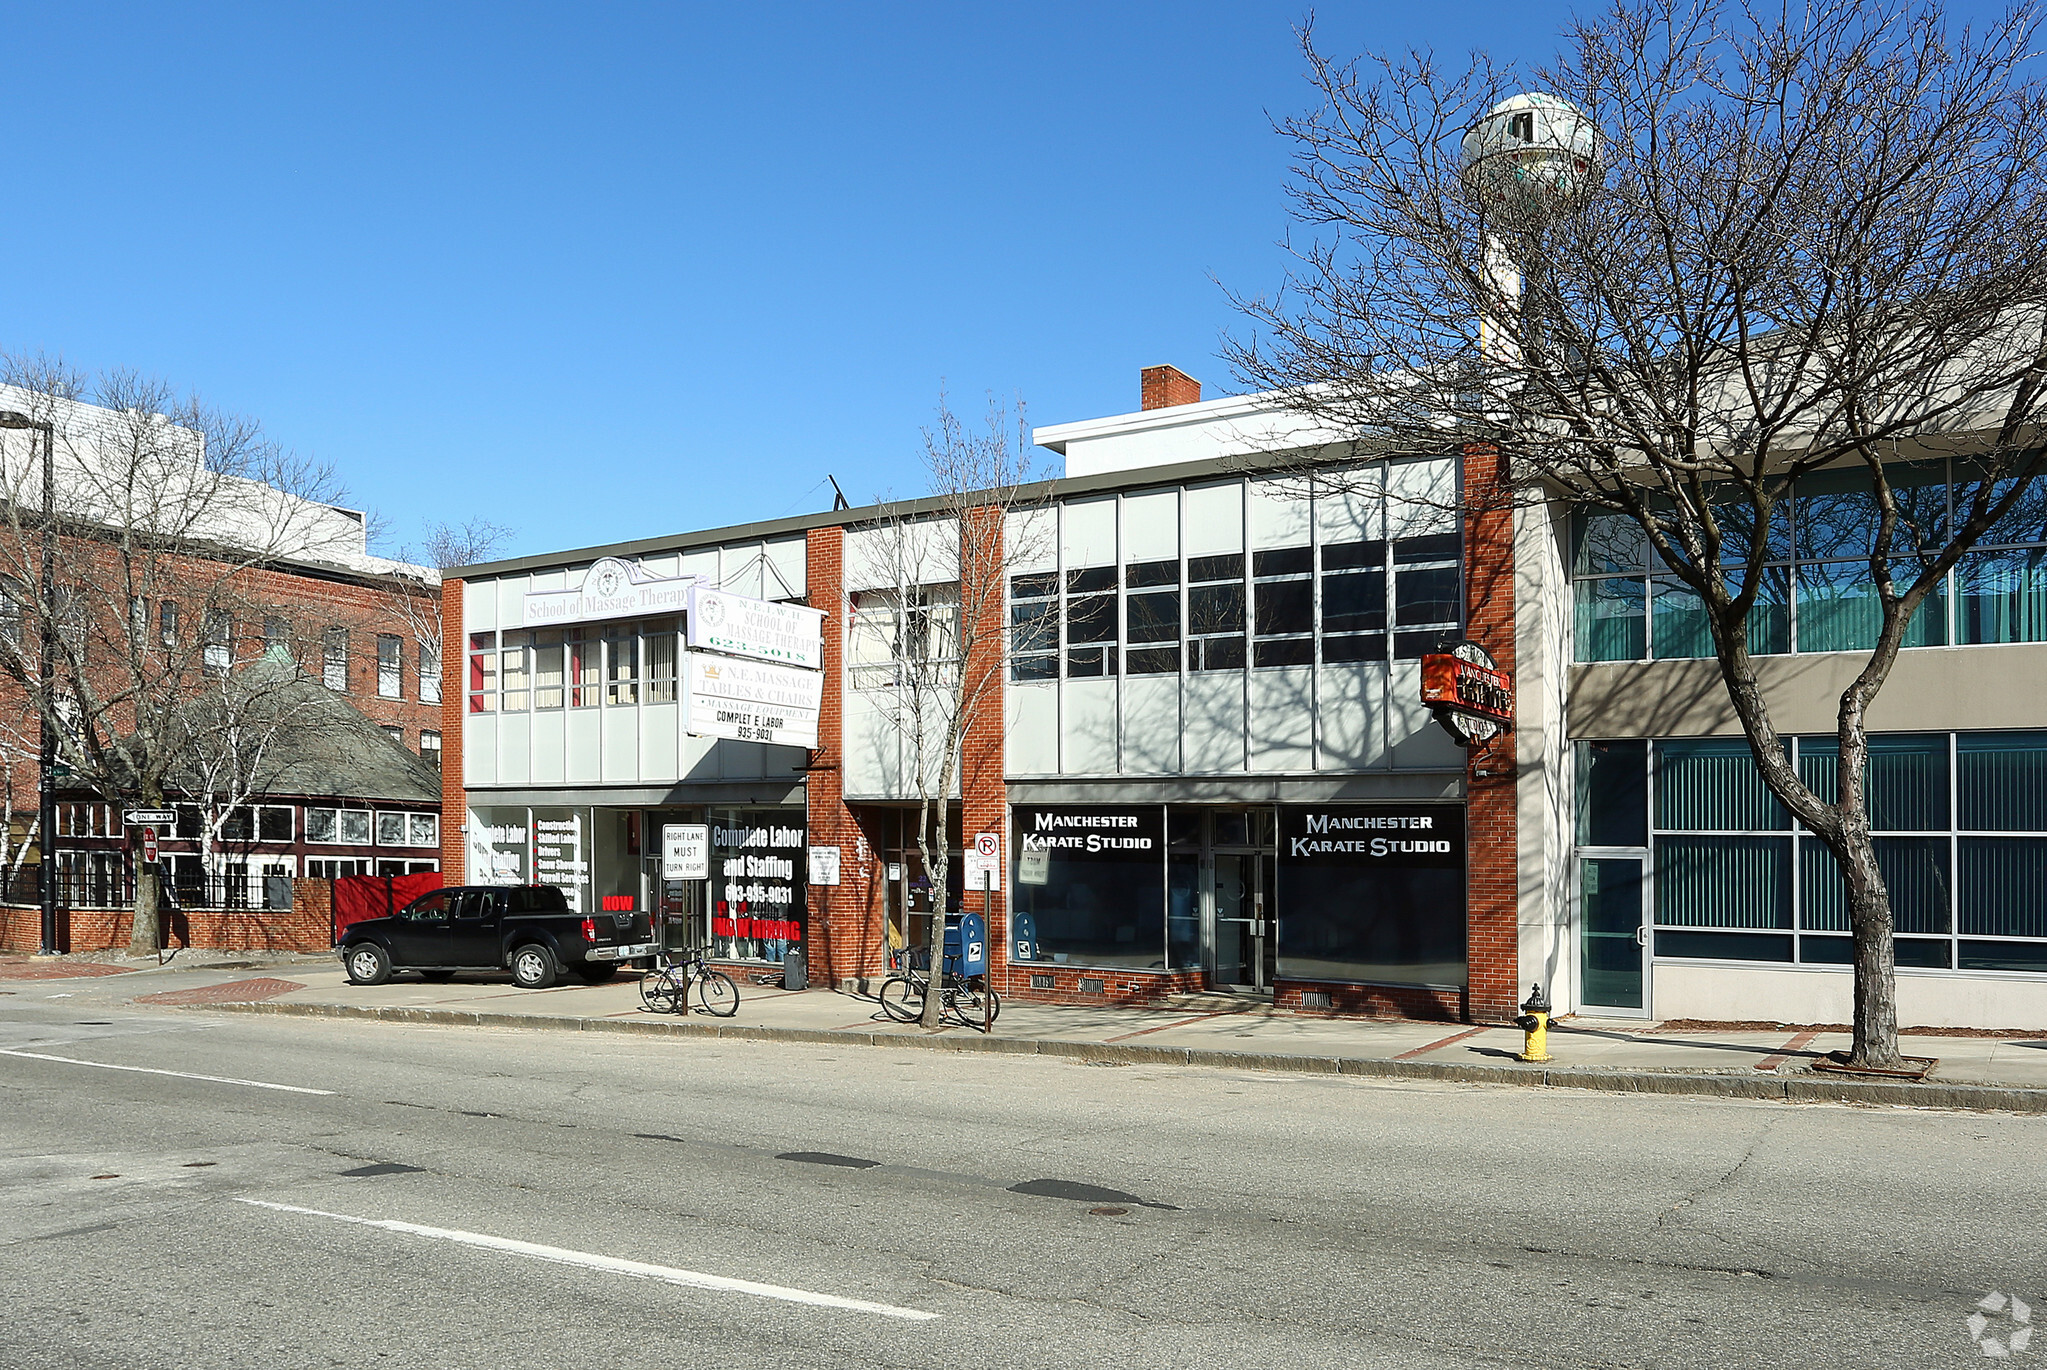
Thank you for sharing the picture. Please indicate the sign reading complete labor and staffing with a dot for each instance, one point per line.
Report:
(1470, 694)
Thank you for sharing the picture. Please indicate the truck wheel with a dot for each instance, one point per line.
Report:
(367, 964)
(596, 972)
(534, 967)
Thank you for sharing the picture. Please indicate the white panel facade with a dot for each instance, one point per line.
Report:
(480, 749)
(584, 747)
(659, 726)
(1279, 512)
(1151, 526)
(1151, 725)
(479, 606)
(1032, 743)
(1214, 519)
(1032, 540)
(1421, 498)
(1352, 704)
(1213, 720)
(788, 563)
(621, 746)
(1282, 733)
(515, 737)
(1087, 533)
(1087, 728)
(550, 754)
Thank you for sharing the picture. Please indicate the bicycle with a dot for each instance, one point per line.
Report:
(970, 999)
(666, 987)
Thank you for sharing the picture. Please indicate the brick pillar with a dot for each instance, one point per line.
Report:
(454, 799)
(984, 794)
(843, 934)
(1492, 908)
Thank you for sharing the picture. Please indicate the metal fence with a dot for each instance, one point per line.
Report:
(105, 886)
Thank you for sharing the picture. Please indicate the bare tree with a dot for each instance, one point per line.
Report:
(1808, 241)
(414, 599)
(164, 509)
(929, 646)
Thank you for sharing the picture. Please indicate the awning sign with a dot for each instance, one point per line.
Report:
(791, 634)
(753, 701)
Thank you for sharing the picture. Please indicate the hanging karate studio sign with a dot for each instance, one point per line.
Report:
(1468, 692)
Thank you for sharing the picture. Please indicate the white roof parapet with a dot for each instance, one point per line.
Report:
(1233, 426)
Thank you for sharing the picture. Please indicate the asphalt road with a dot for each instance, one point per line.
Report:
(567, 1201)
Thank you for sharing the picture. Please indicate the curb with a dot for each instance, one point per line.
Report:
(1785, 1089)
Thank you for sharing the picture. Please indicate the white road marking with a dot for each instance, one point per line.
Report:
(637, 1269)
(180, 1074)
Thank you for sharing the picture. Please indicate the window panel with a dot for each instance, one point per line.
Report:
(1091, 580)
(274, 823)
(1284, 606)
(1284, 651)
(1215, 654)
(1090, 661)
(1723, 946)
(1283, 561)
(1144, 574)
(1354, 647)
(1915, 871)
(621, 665)
(585, 668)
(2001, 883)
(658, 645)
(390, 829)
(2001, 780)
(1604, 542)
(390, 667)
(1215, 609)
(322, 825)
(1354, 603)
(1151, 660)
(1613, 794)
(1435, 547)
(513, 673)
(355, 826)
(1906, 779)
(1091, 618)
(1427, 596)
(1610, 620)
(1711, 785)
(2002, 596)
(483, 673)
(1723, 882)
(1839, 611)
(334, 663)
(1837, 513)
(1224, 566)
(1343, 556)
(1153, 616)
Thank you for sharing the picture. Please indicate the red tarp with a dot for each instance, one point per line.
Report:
(357, 897)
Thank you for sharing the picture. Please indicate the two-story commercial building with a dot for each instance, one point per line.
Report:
(1210, 766)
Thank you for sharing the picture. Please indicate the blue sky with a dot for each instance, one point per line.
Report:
(598, 272)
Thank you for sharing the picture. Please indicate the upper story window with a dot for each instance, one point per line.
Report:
(334, 658)
(219, 652)
(428, 654)
(1341, 594)
(390, 666)
(617, 664)
(895, 633)
(1816, 593)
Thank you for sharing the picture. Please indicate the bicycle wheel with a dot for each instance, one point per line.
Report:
(902, 998)
(659, 992)
(717, 993)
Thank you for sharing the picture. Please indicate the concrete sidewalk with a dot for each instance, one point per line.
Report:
(1615, 1054)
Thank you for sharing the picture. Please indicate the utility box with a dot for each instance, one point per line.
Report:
(795, 972)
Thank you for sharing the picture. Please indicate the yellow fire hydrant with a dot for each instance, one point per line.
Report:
(1534, 1021)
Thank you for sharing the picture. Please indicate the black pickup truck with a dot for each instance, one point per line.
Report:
(529, 929)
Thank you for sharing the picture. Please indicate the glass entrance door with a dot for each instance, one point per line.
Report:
(1240, 932)
(1613, 934)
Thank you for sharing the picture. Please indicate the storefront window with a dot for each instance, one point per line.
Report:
(757, 882)
(1372, 894)
(1091, 885)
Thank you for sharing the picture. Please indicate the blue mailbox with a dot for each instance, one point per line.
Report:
(1023, 937)
(966, 944)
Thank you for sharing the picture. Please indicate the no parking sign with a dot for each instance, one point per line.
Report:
(983, 866)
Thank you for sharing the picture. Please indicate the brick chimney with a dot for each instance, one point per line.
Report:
(1162, 387)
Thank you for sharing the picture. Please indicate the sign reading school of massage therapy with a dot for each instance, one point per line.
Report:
(611, 588)
(1137, 833)
(790, 634)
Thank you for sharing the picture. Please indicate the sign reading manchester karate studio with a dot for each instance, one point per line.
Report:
(753, 701)
(611, 588)
(1372, 893)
